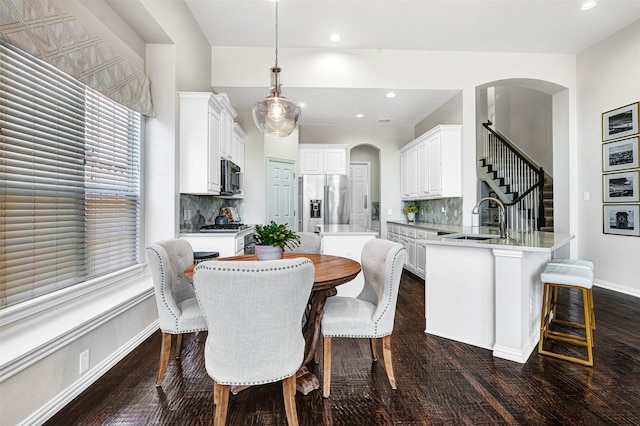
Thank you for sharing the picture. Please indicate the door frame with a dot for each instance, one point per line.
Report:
(268, 200)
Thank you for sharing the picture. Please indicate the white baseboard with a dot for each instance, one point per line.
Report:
(61, 400)
(617, 288)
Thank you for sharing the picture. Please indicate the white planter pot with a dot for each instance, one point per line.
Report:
(411, 217)
(268, 252)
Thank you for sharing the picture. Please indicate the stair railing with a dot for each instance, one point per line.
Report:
(519, 177)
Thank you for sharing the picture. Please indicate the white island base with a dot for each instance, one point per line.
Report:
(486, 294)
(346, 241)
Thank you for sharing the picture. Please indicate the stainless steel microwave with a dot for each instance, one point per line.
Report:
(231, 178)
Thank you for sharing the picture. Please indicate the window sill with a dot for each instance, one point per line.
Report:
(34, 329)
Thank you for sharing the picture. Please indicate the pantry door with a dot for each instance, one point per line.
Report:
(359, 188)
(282, 192)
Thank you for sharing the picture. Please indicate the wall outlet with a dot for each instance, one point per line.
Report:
(84, 361)
(531, 305)
(389, 212)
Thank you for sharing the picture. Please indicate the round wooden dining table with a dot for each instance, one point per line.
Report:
(330, 272)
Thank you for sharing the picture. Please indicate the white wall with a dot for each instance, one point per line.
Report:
(608, 78)
(110, 316)
(525, 117)
(244, 67)
(449, 113)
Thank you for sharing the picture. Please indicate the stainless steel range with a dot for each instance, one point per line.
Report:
(226, 227)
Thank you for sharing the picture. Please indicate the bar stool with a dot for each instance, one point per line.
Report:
(557, 276)
(575, 263)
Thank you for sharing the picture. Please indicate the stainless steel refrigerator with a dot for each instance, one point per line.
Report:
(323, 199)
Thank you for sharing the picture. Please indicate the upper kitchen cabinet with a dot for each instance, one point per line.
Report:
(237, 152)
(231, 135)
(431, 165)
(409, 170)
(200, 130)
(207, 134)
(315, 159)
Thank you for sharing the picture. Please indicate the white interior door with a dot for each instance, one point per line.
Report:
(360, 199)
(282, 192)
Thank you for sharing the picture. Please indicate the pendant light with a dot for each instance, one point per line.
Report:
(275, 115)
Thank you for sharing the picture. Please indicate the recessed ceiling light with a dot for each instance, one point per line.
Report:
(391, 95)
(588, 5)
(359, 115)
(302, 105)
(335, 37)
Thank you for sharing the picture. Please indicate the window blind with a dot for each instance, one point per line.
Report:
(70, 179)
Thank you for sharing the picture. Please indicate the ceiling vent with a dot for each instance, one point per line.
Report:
(384, 120)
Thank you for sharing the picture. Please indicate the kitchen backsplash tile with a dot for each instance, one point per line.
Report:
(206, 205)
(445, 211)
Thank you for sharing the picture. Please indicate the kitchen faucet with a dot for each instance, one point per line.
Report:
(502, 218)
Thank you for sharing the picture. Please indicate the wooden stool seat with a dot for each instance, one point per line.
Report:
(576, 276)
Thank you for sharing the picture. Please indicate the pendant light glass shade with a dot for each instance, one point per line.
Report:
(276, 115)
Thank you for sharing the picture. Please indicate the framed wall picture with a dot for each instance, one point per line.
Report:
(621, 219)
(620, 122)
(621, 187)
(620, 155)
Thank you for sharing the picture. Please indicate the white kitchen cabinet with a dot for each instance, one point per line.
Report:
(232, 136)
(422, 178)
(404, 175)
(316, 159)
(421, 250)
(431, 165)
(237, 154)
(411, 237)
(445, 162)
(227, 244)
(409, 172)
(200, 114)
(207, 134)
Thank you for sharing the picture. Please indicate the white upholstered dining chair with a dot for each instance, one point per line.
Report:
(178, 309)
(310, 242)
(371, 314)
(253, 310)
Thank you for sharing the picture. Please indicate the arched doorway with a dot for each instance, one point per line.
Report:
(534, 115)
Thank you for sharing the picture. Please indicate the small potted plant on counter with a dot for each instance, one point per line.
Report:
(410, 211)
(271, 240)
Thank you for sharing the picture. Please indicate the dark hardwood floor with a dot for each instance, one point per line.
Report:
(440, 382)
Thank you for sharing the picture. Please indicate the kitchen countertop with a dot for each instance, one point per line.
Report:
(230, 233)
(428, 225)
(351, 229)
(518, 240)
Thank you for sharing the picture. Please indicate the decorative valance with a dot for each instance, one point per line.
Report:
(48, 32)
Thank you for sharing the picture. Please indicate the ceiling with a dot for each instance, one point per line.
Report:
(528, 26)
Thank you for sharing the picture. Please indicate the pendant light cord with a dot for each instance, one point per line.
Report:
(277, 33)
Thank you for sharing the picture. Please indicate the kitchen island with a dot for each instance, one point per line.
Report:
(486, 291)
(346, 241)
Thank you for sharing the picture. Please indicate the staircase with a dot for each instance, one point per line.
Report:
(547, 200)
(522, 185)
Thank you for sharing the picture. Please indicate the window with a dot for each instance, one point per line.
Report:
(70, 180)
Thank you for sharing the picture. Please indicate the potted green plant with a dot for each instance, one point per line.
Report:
(271, 240)
(410, 211)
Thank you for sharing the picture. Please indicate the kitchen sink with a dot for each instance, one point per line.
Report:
(470, 237)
